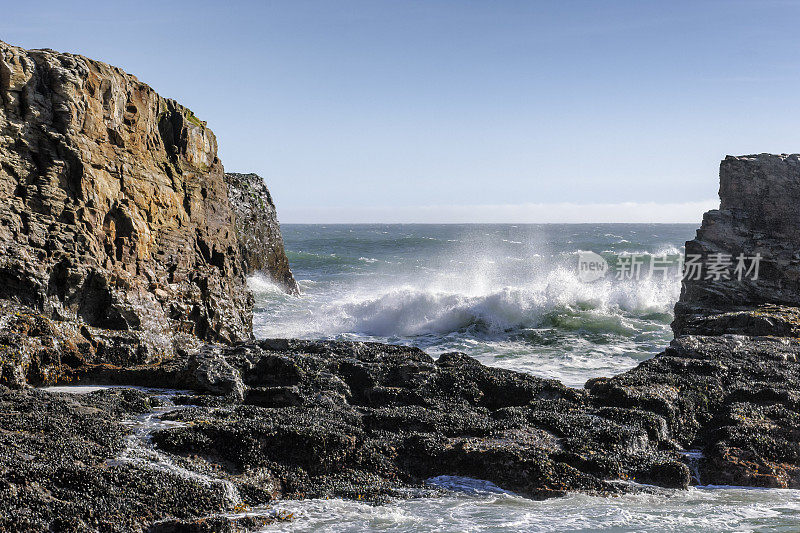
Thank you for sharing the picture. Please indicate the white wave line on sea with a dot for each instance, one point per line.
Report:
(414, 310)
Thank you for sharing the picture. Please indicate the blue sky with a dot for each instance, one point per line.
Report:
(459, 110)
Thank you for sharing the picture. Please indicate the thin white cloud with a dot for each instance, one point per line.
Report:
(629, 212)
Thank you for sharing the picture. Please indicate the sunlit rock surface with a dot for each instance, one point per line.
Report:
(115, 210)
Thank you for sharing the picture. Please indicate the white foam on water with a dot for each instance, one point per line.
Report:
(693, 458)
(694, 510)
(88, 389)
(668, 250)
(139, 449)
(408, 310)
(551, 324)
(466, 485)
(261, 284)
(76, 389)
(519, 306)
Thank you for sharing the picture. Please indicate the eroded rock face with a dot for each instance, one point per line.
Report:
(759, 214)
(258, 231)
(115, 211)
(734, 365)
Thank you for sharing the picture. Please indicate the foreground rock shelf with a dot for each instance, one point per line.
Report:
(300, 419)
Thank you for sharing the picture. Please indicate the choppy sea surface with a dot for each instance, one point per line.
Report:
(511, 296)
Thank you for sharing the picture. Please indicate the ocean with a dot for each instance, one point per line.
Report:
(511, 296)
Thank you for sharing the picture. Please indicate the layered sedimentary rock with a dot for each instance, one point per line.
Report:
(117, 223)
(258, 231)
(115, 211)
(741, 329)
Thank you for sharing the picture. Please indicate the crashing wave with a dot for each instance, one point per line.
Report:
(559, 299)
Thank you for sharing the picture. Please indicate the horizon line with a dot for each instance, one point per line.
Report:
(524, 213)
(482, 223)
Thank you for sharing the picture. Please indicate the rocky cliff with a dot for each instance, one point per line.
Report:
(759, 215)
(739, 325)
(115, 215)
(258, 231)
(117, 211)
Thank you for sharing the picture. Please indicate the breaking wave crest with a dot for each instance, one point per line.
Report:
(559, 300)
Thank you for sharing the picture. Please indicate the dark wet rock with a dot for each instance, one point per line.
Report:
(324, 417)
(35, 350)
(372, 421)
(258, 231)
(54, 452)
(212, 373)
(758, 214)
(360, 419)
(736, 398)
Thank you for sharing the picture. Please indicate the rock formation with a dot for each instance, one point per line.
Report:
(741, 330)
(257, 229)
(117, 212)
(759, 214)
(116, 217)
(120, 254)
